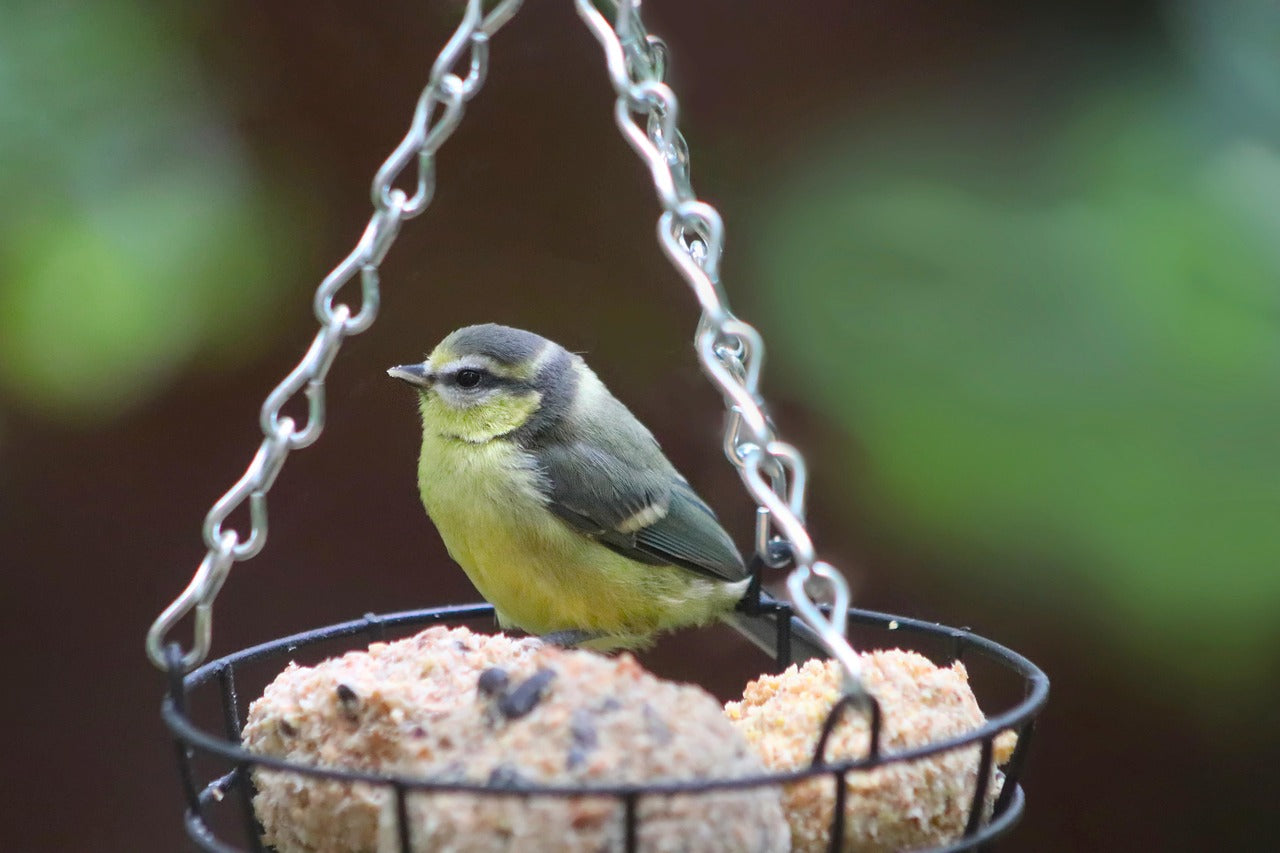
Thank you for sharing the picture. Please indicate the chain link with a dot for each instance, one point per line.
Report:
(691, 234)
(437, 114)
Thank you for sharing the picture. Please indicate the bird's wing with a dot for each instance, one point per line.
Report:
(645, 512)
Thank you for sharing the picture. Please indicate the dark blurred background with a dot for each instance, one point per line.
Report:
(1018, 266)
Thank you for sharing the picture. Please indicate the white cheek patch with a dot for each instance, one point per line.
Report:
(457, 398)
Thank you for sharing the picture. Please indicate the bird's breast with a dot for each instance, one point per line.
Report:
(480, 496)
(540, 574)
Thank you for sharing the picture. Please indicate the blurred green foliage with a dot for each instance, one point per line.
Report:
(1060, 354)
(135, 236)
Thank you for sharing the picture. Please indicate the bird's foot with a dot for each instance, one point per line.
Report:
(570, 638)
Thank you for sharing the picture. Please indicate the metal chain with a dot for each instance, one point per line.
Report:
(691, 233)
(436, 116)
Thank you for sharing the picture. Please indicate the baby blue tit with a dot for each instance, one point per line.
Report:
(557, 503)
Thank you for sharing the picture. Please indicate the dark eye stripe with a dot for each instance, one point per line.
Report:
(483, 380)
(470, 378)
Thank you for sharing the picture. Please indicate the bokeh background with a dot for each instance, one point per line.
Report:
(1018, 266)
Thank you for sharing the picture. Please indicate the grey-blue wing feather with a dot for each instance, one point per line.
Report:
(691, 536)
(598, 493)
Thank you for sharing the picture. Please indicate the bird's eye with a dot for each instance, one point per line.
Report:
(468, 378)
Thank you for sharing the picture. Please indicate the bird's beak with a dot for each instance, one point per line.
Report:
(415, 374)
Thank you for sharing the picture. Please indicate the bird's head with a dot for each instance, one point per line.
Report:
(490, 381)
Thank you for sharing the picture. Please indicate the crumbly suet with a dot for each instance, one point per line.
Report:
(451, 704)
(897, 807)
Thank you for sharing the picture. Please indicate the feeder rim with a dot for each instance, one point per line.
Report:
(178, 723)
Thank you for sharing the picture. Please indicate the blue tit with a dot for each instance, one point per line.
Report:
(556, 501)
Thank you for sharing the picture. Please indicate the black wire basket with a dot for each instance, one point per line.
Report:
(222, 808)
(203, 707)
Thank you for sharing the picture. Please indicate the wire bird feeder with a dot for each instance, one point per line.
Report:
(691, 233)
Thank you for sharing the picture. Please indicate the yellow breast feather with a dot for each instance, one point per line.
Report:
(541, 575)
